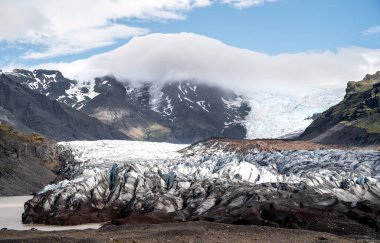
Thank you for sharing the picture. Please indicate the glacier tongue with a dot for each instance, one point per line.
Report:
(275, 115)
(109, 179)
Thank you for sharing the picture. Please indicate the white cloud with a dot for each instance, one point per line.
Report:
(84, 40)
(56, 27)
(372, 30)
(246, 3)
(184, 56)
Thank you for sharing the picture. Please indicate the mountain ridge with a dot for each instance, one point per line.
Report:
(179, 112)
(182, 111)
(36, 112)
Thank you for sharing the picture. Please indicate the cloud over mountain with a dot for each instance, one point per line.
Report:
(165, 57)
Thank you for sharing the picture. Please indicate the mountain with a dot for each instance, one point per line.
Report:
(31, 111)
(182, 111)
(355, 120)
(177, 112)
(54, 85)
(27, 162)
(294, 184)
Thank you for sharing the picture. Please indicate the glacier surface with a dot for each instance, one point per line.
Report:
(143, 176)
(276, 115)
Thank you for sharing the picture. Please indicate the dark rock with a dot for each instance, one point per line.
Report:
(27, 162)
(40, 114)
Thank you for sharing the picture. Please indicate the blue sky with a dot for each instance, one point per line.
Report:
(286, 25)
(282, 26)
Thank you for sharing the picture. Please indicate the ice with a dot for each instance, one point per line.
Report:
(325, 169)
(275, 115)
(162, 175)
(106, 152)
(155, 97)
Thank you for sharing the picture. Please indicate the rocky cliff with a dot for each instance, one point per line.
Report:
(27, 162)
(355, 120)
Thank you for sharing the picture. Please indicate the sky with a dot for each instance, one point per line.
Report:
(270, 34)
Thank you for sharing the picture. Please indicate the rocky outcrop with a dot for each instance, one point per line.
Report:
(355, 120)
(32, 111)
(27, 162)
(265, 183)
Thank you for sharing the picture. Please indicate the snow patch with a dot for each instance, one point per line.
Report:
(202, 105)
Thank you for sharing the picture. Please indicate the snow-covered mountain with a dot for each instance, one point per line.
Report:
(30, 111)
(55, 86)
(216, 180)
(177, 111)
(185, 111)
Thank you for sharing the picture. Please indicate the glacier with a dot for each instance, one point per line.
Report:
(103, 180)
(280, 115)
(273, 114)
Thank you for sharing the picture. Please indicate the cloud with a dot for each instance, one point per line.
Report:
(84, 40)
(186, 56)
(372, 30)
(55, 28)
(240, 4)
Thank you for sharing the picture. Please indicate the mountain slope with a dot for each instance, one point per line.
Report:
(27, 162)
(182, 112)
(40, 114)
(355, 120)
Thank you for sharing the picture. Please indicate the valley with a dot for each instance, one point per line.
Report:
(169, 178)
(189, 121)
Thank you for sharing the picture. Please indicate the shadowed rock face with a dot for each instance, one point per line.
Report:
(319, 188)
(32, 111)
(355, 120)
(27, 162)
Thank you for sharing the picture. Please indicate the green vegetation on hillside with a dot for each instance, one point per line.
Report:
(358, 116)
(364, 85)
(371, 124)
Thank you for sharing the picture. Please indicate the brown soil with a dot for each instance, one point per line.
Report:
(269, 145)
(177, 232)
